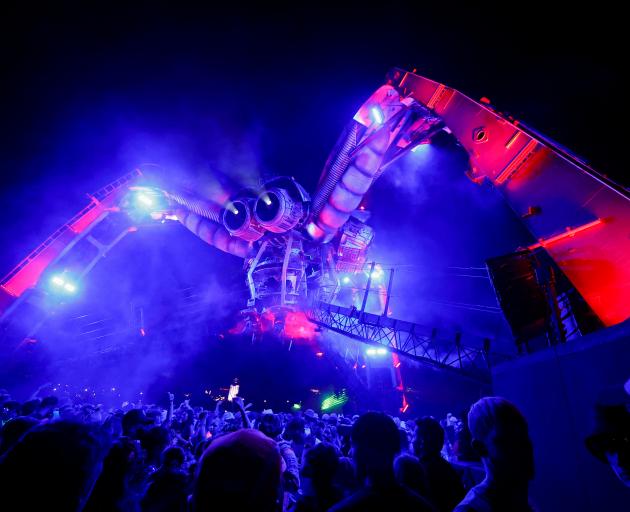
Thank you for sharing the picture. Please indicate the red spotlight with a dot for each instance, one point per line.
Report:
(319, 354)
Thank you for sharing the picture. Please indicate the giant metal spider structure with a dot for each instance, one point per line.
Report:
(295, 244)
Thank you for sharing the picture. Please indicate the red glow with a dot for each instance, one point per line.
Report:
(28, 271)
(568, 233)
(319, 354)
(405, 404)
(239, 328)
(396, 363)
(142, 332)
(298, 326)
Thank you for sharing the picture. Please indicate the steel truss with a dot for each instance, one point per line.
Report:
(421, 343)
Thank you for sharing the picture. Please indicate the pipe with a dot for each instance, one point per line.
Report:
(199, 206)
(213, 233)
(336, 165)
(348, 192)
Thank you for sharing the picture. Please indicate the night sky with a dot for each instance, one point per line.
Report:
(90, 92)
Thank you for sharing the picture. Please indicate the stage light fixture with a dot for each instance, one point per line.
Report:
(231, 206)
(377, 115)
(61, 284)
(69, 287)
(266, 199)
(377, 273)
(374, 351)
(144, 199)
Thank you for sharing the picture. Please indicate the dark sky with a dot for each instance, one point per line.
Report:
(90, 92)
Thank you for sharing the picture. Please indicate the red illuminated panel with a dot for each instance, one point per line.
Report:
(582, 219)
(27, 274)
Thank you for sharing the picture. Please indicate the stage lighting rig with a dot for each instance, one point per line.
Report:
(301, 250)
(63, 284)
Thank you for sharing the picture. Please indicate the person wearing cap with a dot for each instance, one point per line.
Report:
(500, 435)
(610, 439)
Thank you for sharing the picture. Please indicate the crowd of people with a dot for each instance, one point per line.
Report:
(185, 458)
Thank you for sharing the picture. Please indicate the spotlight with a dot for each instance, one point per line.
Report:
(346, 280)
(266, 199)
(69, 287)
(57, 281)
(276, 210)
(61, 284)
(373, 351)
(377, 115)
(230, 206)
(377, 273)
(144, 199)
(238, 220)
